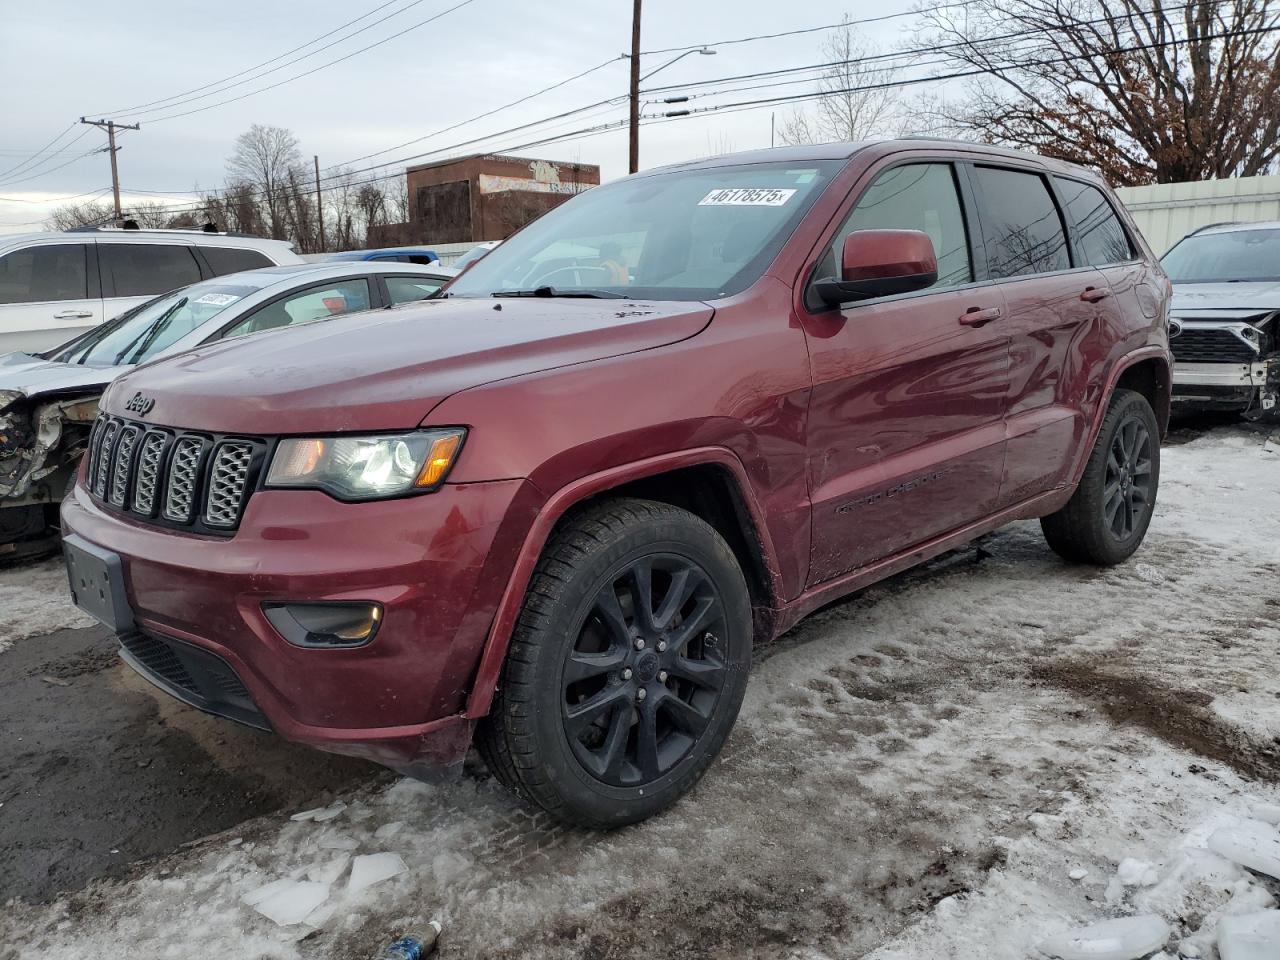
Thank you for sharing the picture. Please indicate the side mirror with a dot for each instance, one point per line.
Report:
(880, 263)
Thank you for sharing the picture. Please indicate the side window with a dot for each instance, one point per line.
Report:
(408, 289)
(234, 259)
(1021, 227)
(313, 303)
(44, 273)
(918, 196)
(145, 269)
(1099, 232)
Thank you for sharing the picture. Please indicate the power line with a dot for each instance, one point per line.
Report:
(793, 33)
(41, 151)
(316, 69)
(341, 26)
(37, 176)
(75, 196)
(180, 100)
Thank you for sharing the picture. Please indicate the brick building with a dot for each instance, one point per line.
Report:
(482, 197)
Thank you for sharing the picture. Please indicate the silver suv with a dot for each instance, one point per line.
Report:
(1225, 319)
(55, 286)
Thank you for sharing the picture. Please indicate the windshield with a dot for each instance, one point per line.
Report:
(141, 333)
(1239, 255)
(684, 235)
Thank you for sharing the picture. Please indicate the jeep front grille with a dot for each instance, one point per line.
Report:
(196, 481)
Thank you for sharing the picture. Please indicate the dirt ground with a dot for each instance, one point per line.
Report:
(948, 744)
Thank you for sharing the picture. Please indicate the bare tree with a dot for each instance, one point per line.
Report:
(263, 159)
(74, 215)
(1146, 93)
(851, 106)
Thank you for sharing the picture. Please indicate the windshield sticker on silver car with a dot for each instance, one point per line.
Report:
(747, 197)
(217, 299)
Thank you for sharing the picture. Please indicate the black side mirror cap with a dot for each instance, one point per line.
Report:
(835, 292)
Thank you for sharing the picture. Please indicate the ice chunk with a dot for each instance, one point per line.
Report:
(321, 914)
(1195, 882)
(1266, 812)
(373, 868)
(330, 871)
(254, 897)
(1136, 873)
(1251, 936)
(338, 841)
(1125, 939)
(320, 814)
(1079, 873)
(292, 902)
(388, 830)
(1251, 844)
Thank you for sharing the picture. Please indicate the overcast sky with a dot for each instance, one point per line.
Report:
(60, 60)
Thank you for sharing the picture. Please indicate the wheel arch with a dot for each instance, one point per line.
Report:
(709, 482)
(1149, 371)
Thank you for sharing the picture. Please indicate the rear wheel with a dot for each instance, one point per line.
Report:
(627, 666)
(1106, 519)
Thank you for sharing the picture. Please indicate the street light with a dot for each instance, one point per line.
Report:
(635, 93)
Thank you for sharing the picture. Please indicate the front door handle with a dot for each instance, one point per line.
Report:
(977, 316)
(1094, 294)
(72, 314)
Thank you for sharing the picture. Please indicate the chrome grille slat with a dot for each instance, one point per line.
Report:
(180, 491)
(122, 463)
(228, 476)
(103, 467)
(144, 486)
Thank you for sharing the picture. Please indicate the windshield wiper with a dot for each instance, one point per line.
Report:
(549, 291)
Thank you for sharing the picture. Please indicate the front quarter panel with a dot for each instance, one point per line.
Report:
(742, 384)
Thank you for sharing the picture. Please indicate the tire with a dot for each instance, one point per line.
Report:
(590, 723)
(1107, 517)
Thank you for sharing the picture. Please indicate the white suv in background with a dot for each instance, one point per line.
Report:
(54, 286)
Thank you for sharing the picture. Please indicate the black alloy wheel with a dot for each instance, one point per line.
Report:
(1127, 494)
(643, 679)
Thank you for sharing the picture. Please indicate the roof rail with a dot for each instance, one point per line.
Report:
(132, 225)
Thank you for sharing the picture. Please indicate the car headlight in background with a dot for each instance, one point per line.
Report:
(368, 467)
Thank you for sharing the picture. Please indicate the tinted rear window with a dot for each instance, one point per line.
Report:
(44, 273)
(1021, 228)
(234, 259)
(1099, 232)
(145, 269)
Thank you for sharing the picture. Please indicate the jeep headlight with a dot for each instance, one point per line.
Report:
(367, 467)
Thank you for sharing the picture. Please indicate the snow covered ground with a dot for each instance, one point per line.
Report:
(965, 762)
(34, 601)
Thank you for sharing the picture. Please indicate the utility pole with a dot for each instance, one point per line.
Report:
(111, 127)
(635, 88)
(319, 205)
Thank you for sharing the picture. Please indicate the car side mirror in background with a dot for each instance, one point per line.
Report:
(880, 263)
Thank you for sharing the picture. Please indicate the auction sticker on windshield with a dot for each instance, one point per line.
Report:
(747, 197)
(217, 299)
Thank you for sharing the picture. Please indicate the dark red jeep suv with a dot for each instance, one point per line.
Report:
(552, 510)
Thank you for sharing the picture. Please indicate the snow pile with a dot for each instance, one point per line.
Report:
(1127, 938)
(35, 600)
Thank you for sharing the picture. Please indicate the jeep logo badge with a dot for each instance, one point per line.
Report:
(139, 404)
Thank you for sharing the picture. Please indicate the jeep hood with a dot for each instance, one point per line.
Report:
(1226, 301)
(388, 372)
(35, 377)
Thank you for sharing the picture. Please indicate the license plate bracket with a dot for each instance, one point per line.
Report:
(96, 577)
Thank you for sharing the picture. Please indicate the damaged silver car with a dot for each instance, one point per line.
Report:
(1224, 324)
(48, 401)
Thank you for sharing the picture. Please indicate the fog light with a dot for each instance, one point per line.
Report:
(338, 623)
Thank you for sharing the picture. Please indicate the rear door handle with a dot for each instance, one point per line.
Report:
(72, 314)
(977, 316)
(1094, 294)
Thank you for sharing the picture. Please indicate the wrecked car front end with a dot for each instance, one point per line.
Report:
(42, 439)
(1228, 359)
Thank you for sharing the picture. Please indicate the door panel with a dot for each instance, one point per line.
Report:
(45, 296)
(1053, 335)
(906, 435)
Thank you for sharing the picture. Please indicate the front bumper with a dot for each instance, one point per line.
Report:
(437, 564)
(1229, 384)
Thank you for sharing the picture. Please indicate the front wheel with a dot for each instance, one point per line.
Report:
(1106, 519)
(627, 666)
